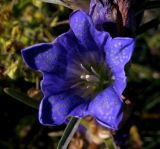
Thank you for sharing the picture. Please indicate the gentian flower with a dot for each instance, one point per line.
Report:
(83, 73)
(115, 16)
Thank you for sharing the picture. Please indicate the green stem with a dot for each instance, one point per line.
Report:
(110, 143)
(68, 133)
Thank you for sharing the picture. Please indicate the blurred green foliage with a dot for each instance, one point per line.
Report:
(25, 22)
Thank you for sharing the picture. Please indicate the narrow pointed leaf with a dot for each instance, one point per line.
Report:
(155, 101)
(151, 24)
(58, 2)
(148, 5)
(22, 97)
(68, 133)
(73, 4)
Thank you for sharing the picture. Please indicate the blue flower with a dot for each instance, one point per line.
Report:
(83, 73)
(117, 17)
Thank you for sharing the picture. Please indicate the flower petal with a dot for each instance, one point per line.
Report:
(55, 109)
(119, 84)
(118, 52)
(77, 54)
(101, 14)
(91, 40)
(48, 57)
(83, 28)
(53, 84)
(107, 108)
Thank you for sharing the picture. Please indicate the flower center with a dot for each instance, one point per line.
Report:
(92, 79)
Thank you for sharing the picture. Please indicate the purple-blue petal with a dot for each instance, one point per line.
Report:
(83, 28)
(119, 84)
(90, 39)
(118, 52)
(106, 107)
(53, 84)
(55, 109)
(30, 53)
(46, 57)
(100, 12)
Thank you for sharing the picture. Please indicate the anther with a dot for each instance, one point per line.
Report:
(92, 78)
(83, 76)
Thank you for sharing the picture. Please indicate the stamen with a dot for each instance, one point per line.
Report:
(84, 68)
(76, 84)
(91, 81)
(93, 70)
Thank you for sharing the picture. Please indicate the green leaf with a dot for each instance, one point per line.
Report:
(68, 133)
(151, 24)
(152, 102)
(141, 72)
(152, 5)
(22, 97)
(84, 4)
(148, 5)
(58, 2)
(22, 4)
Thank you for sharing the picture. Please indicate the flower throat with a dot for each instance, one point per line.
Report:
(93, 79)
